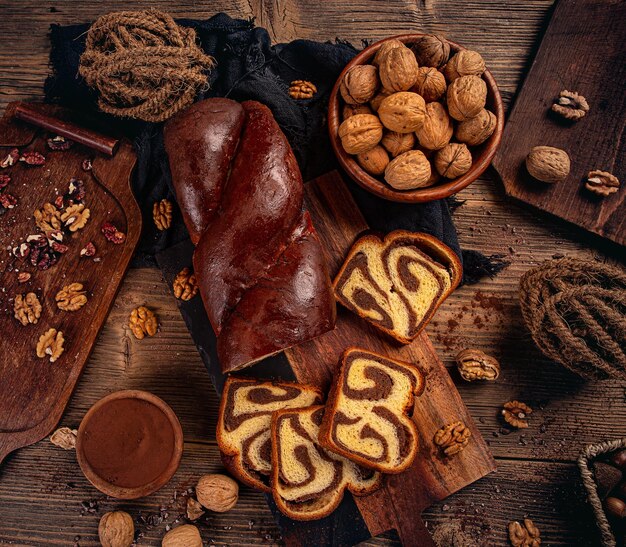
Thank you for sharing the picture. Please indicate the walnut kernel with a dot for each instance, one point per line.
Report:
(478, 129)
(143, 322)
(186, 535)
(373, 161)
(217, 493)
(27, 308)
(75, 217)
(464, 63)
(524, 535)
(452, 438)
(359, 84)
(72, 297)
(116, 529)
(162, 214)
(430, 84)
(408, 171)
(466, 97)
(516, 413)
(453, 160)
(474, 364)
(570, 105)
(360, 133)
(185, 286)
(302, 89)
(431, 50)
(194, 509)
(548, 164)
(64, 438)
(402, 112)
(50, 343)
(602, 183)
(48, 218)
(437, 129)
(397, 143)
(398, 69)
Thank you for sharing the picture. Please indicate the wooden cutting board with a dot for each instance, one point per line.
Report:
(33, 391)
(583, 50)
(399, 503)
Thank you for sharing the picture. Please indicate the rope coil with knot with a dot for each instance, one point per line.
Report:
(576, 313)
(143, 65)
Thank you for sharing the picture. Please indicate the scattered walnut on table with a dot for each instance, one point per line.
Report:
(88, 250)
(10, 159)
(5, 180)
(570, 105)
(27, 308)
(194, 509)
(64, 438)
(452, 438)
(50, 343)
(112, 234)
(185, 286)
(143, 322)
(516, 413)
(524, 535)
(548, 164)
(23, 277)
(7, 201)
(162, 214)
(47, 218)
(75, 217)
(602, 183)
(302, 89)
(474, 364)
(33, 158)
(59, 143)
(72, 297)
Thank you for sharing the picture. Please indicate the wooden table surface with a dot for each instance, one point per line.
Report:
(44, 499)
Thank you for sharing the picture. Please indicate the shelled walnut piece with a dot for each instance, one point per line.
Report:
(75, 217)
(72, 297)
(602, 183)
(194, 509)
(48, 218)
(474, 364)
(453, 438)
(185, 286)
(116, 529)
(64, 438)
(217, 492)
(524, 535)
(27, 308)
(143, 322)
(186, 535)
(50, 343)
(302, 89)
(516, 414)
(570, 105)
(162, 214)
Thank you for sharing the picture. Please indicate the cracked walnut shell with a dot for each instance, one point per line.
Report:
(302, 89)
(64, 438)
(116, 529)
(548, 164)
(474, 364)
(217, 492)
(570, 105)
(185, 286)
(466, 97)
(516, 414)
(453, 160)
(437, 129)
(602, 183)
(430, 84)
(397, 143)
(186, 535)
(408, 171)
(524, 535)
(75, 217)
(48, 218)
(476, 130)
(72, 297)
(360, 133)
(162, 214)
(464, 63)
(143, 322)
(359, 84)
(27, 308)
(398, 69)
(452, 438)
(403, 112)
(50, 343)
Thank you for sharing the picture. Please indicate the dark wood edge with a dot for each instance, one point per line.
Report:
(365, 180)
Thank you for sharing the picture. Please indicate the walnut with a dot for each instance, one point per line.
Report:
(398, 69)
(48, 218)
(464, 63)
(466, 97)
(27, 308)
(452, 438)
(397, 143)
(360, 133)
(402, 112)
(116, 529)
(162, 214)
(64, 438)
(431, 50)
(453, 160)
(359, 84)
(430, 84)
(476, 130)
(186, 535)
(75, 216)
(217, 493)
(516, 413)
(23, 277)
(436, 131)
(185, 286)
(524, 535)
(72, 297)
(194, 509)
(474, 364)
(408, 171)
(548, 164)
(353, 109)
(50, 343)
(143, 322)
(570, 105)
(302, 89)
(373, 161)
(378, 98)
(384, 48)
(602, 183)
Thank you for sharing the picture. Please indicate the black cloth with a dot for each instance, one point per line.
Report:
(248, 67)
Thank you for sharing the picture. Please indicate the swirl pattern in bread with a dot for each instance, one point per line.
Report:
(397, 283)
(367, 417)
(308, 482)
(243, 428)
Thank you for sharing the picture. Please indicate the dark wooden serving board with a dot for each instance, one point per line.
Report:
(33, 391)
(583, 50)
(399, 503)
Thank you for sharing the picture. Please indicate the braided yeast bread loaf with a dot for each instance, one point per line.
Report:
(258, 261)
(397, 283)
(243, 427)
(366, 418)
(308, 482)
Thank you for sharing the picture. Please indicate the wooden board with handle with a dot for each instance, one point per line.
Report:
(583, 50)
(34, 391)
(433, 477)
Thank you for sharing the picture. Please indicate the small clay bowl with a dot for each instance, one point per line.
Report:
(129, 444)
(482, 155)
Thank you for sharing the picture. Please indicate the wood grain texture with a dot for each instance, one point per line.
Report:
(592, 36)
(41, 486)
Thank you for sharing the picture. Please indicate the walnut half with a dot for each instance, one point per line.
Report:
(516, 413)
(524, 535)
(71, 298)
(143, 322)
(474, 364)
(452, 438)
(50, 343)
(27, 308)
(570, 105)
(184, 285)
(162, 214)
(602, 183)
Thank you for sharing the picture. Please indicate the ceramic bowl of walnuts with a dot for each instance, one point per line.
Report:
(415, 118)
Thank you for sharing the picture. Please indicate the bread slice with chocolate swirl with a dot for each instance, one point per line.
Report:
(367, 413)
(243, 427)
(398, 282)
(308, 482)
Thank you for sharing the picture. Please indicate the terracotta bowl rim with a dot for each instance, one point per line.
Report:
(144, 490)
(438, 191)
